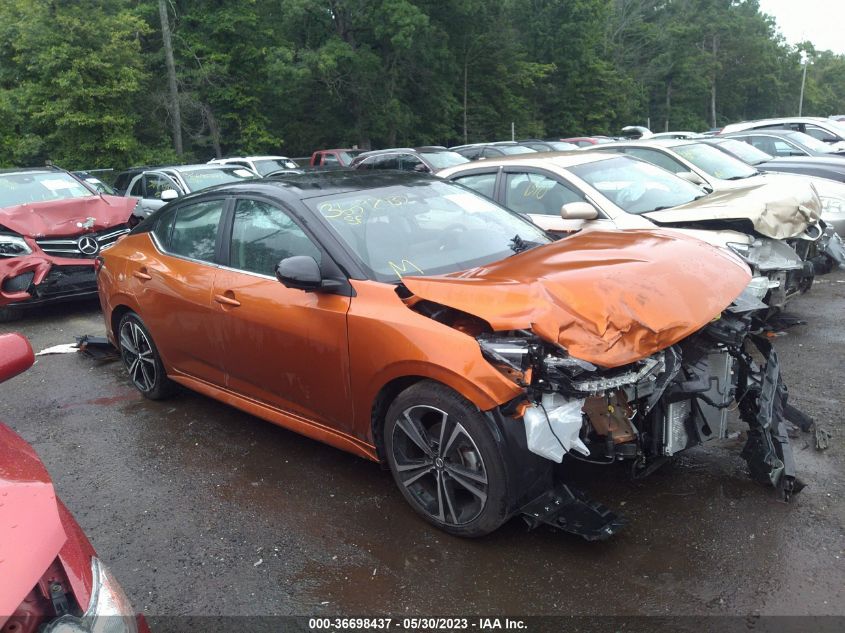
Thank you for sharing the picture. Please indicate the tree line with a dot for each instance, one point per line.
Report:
(110, 83)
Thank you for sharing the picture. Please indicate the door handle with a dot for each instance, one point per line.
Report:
(227, 301)
(142, 275)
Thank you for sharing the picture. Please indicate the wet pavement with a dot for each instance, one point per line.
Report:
(201, 509)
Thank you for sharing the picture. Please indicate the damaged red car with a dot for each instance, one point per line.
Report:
(51, 579)
(413, 322)
(52, 227)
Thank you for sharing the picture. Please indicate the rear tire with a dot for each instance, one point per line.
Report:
(141, 359)
(445, 460)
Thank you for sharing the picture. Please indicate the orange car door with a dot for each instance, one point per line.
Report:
(284, 347)
(174, 284)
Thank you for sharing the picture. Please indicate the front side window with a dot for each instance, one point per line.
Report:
(28, 187)
(485, 184)
(156, 184)
(409, 162)
(427, 228)
(264, 235)
(390, 161)
(195, 229)
(636, 186)
(711, 161)
(538, 194)
(441, 160)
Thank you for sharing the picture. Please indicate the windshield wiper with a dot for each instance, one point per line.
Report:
(517, 244)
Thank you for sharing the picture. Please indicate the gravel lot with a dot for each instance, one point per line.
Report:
(201, 509)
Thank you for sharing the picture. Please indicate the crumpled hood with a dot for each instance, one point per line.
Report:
(61, 217)
(608, 297)
(31, 532)
(777, 207)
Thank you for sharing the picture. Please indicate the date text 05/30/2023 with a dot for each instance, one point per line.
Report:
(416, 624)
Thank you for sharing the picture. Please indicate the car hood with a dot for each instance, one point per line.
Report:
(777, 206)
(832, 163)
(608, 297)
(64, 217)
(31, 532)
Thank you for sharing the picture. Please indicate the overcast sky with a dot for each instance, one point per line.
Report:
(820, 21)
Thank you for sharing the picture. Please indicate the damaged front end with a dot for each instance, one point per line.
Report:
(647, 411)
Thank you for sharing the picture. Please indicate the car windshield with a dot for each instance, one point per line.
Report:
(837, 128)
(99, 185)
(265, 165)
(425, 228)
(442, 160)
(202, 178)
(25, 187)
(745, 152)
(716, 163)
(562, 146)
(811, 141)
(636, 186)
(347, 155)
(515, 149)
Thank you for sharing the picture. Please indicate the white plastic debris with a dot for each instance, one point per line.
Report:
(64, 348)
(553, 427)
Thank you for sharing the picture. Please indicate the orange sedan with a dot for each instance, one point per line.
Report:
(411, 321)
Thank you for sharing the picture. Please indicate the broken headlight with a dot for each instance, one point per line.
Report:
(108, 609)
(13, 246)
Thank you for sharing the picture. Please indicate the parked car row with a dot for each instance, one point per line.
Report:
(469, 324)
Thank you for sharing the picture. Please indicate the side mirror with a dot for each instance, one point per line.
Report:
(15, 355)
(830, 139)
(578, 211)
(300, 272)
(691, 176)
(422, 168)
(169, 194)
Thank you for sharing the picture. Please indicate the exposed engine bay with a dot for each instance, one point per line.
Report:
(650, 410)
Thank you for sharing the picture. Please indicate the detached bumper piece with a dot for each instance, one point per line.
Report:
(768, 451)
(570, 510)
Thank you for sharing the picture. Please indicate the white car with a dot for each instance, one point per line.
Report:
(564, 193)
(826, 130)
(262, 165)
(157, 187)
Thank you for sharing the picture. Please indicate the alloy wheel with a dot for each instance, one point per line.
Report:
(439, 464)
(138, 356)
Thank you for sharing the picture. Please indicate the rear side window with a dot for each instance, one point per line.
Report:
(138, 188)
(263, 235)
(195, 229)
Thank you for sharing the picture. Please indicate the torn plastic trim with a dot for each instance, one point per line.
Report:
(553, 427)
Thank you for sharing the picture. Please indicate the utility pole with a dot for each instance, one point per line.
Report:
(175, 112)
(805, 58)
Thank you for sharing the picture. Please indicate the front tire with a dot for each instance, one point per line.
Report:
(141, 359)
(445, 460)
